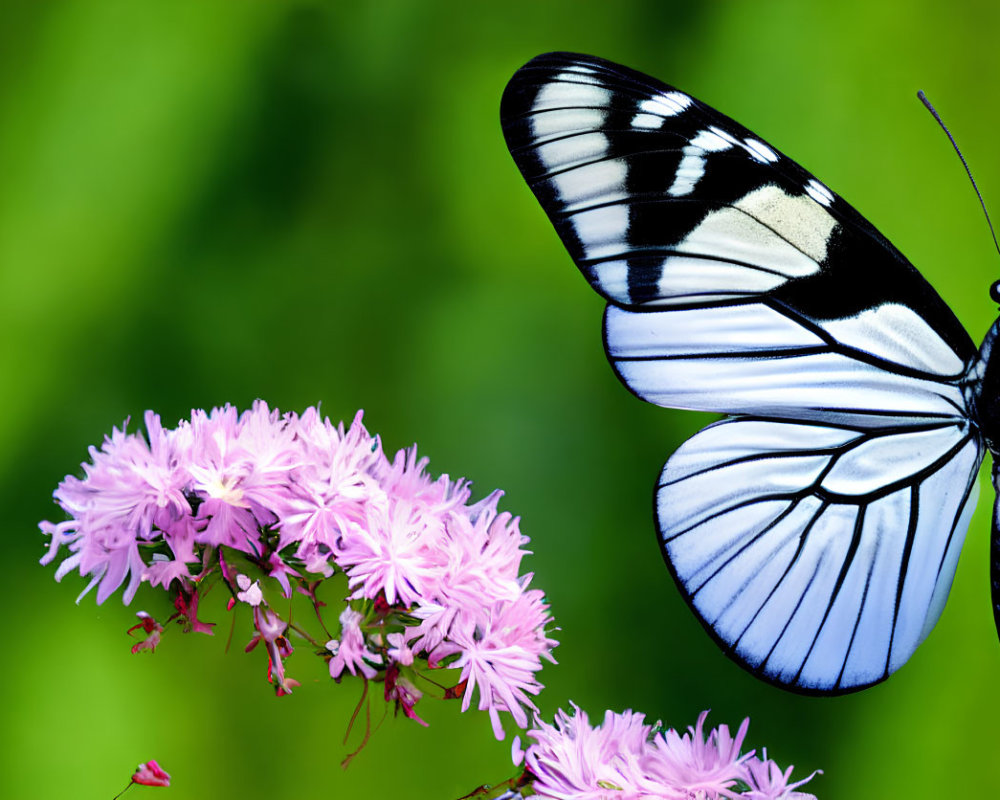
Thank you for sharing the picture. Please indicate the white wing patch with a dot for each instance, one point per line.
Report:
(581, 151)
(818, 192)
(602, 230)
(760, 151)
(655, 111)
(737, 251)
(900, 335)
(809, 579)
(572, 89)
(692, 166)
(760, 361)
(597, 182)
(666, 104)
(564, 121)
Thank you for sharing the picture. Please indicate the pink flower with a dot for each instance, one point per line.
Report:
(398, 650)
(351, 651)
(151, 774)
(622, 759)
(483, 555)
(249, 591)
(164, 571)
(330, 490)
(768, 782)
(271, 630)
(152, 628)
(187, 609)
(401, 690)
(221, 475)
(499, 652)
(694, 762)
(392, 551)
(573, 760)
(128, 487)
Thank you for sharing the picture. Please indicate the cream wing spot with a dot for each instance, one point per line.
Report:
(732, 234)
(801, 222)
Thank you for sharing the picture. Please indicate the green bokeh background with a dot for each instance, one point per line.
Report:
(209, 202)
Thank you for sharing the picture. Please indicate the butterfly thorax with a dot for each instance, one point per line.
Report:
(986, 399)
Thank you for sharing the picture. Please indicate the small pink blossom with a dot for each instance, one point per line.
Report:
(398, 650)
(402, 691)
(271, 630)
(392, 552)
(768, 782)
(164, 571)
(250, 592)
(151, 627)
(186, 604)
(351, 651)
(151, 774)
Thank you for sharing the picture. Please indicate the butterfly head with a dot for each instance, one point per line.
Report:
(995, 292)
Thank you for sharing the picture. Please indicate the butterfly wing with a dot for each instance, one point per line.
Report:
(819, 556)
(740, 284)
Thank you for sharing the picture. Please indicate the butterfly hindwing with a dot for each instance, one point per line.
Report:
(816, 535)
(819, 555)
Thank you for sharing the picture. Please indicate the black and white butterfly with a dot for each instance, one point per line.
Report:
(815, 531)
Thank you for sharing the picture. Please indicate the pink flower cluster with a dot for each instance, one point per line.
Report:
(625, 759)
(431, 576)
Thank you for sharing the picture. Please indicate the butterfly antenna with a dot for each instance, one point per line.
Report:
(927, 103)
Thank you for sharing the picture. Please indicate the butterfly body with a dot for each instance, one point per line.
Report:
(815, 530)
(986, 387)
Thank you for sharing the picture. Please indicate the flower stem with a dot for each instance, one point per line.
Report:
(301, 632)
(123, 790)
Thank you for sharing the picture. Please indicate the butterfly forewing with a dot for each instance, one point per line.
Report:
(817, 541)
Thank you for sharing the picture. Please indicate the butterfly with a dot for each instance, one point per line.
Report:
(815, 530)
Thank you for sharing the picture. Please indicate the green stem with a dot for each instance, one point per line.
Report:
(130, 783)
(306, 636)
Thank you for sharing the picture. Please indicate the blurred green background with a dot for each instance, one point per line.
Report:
(209, 202)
